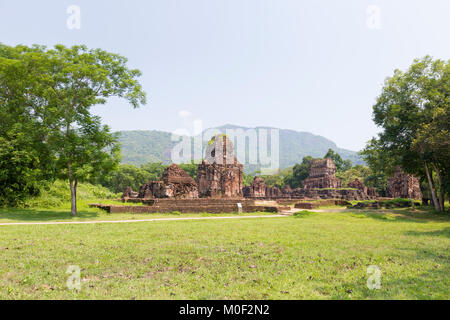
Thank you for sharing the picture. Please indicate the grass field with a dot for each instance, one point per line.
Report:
(309, 256)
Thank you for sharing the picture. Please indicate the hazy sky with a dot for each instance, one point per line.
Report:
(312, 66)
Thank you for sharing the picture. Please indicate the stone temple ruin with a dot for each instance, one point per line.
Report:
(322, 174)
(356, 184)
(258, 189)
(174, 183)
(219, 187)
(220, 175)
(403, 185)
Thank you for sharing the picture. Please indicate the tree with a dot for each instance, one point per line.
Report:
(76, 80)
(24, 157)
(432, 142)
(190, 168)
(341, 165)
(381, 163)
(62, 85)
(126, 175)
(19, 171)
(154, 170)
(412, 111)
(357, 172)
(299, 173)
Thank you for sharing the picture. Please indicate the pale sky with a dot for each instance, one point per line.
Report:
(313, 65)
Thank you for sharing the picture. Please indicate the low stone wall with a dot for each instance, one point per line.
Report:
(199, 202)
(319, 203)
(316, 194)
(186, 209)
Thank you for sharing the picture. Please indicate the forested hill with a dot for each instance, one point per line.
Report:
(139, 147)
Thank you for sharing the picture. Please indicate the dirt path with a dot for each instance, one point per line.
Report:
(136, 220)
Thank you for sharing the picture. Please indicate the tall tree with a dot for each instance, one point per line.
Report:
(64, 84)
(25, 159)
(412, 111)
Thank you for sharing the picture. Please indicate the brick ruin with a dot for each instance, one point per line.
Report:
(320, 185)
(356, 184)
(258, 189)
(220, 175)
(219, 186)
(174, 183)
(322, 174)
(403, 185)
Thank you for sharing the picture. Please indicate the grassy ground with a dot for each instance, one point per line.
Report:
(92, 214)
(308, 256)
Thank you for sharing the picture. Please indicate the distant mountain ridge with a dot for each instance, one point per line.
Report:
(139, 147)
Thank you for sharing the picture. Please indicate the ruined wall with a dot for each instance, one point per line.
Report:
(174, 183)
(403, 185)
(220, 174)
(322, 175)
(369, 191)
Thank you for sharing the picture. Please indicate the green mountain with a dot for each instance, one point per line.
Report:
(139, 147)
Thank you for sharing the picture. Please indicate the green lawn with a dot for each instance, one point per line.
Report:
(309, 256)
(93, 214)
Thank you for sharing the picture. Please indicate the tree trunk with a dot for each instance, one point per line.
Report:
(73, 191)
(433, 191)
(413, 206)
(441, 192)
(73, 197)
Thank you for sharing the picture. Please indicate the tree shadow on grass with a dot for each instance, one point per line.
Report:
(43, 215)
(422, 215)
(437, 233)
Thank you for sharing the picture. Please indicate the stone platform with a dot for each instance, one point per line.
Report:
(199, 205)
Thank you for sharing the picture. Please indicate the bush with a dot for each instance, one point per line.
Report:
(57, 194)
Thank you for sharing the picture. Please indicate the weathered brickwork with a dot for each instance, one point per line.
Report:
(322, 175)
(403, 185)
(220, 174)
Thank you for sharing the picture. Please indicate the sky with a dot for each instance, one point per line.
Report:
(314, 65)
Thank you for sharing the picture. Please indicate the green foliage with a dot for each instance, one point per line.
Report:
(357, 172)
(247, 178)
(57, 194)
(272, 180)
(341, 165)
(19, 172)
(299, 173)
(154, 170)
(24, 156)
(52, 91)
(190, 168)
(303, 214)
(413, 111)
(126, 175)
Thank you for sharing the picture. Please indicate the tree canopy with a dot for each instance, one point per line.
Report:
(413, 112)
(54, 90)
